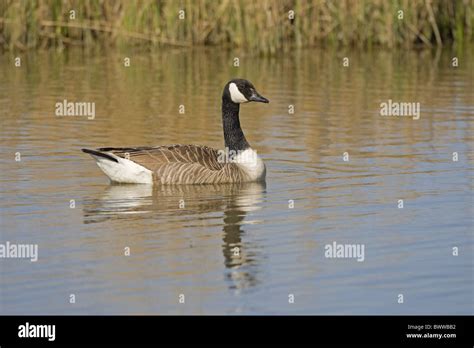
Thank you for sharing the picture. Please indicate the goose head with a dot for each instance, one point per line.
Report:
(240, 91)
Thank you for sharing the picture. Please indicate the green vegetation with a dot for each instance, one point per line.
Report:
(260, 26)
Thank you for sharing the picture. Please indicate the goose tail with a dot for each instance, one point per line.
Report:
(96, 153)
(119, 169)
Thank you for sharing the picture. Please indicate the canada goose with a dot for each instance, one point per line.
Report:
(191, 164)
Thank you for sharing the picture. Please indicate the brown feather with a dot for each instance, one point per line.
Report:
(182, 164)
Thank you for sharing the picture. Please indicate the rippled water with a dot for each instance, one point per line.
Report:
(183, 239)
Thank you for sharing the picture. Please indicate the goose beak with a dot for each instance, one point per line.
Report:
(258, 98)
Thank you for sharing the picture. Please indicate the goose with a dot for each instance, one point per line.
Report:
(191, 164)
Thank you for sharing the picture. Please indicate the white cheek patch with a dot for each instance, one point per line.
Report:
(236, 95)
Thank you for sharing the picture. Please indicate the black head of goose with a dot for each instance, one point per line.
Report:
(191, 164)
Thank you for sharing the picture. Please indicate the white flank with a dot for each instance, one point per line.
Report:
(236, 95)
(125, 171)
(249, 161)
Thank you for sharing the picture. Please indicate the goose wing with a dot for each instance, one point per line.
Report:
(180, 163)
(154, 157)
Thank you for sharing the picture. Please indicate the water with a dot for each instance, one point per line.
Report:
(190, 249)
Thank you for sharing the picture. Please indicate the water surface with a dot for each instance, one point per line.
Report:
(240, 249)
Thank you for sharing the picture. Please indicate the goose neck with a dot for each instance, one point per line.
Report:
(233, 135)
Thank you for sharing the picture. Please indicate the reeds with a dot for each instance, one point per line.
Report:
(263, 26)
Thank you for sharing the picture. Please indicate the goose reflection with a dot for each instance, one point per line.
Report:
(235, 201)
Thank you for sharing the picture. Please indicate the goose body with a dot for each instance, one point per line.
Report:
(191, 164)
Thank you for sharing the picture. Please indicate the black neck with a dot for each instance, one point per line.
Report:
(233, 135)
